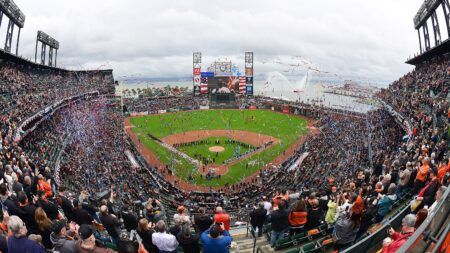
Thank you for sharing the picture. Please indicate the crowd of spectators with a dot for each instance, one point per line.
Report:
(155, 105)
(70, 185)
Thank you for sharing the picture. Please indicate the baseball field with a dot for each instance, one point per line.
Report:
(246, 140)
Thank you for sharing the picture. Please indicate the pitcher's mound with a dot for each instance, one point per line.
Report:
(216, 149)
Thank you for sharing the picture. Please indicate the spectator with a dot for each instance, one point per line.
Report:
(27, 213)
(400, 238)
(19, 242)
(386, 202)
(420, 217)
(280, 222)
(176, 228)
(258, 218)
(222, 217)
(145, 231)
(330, 216)
(216, 239)
(59, 238)
(44, 224)
(187, 240)
(428, 193)
(422, 174)
(80, 215)
(164, 241)
(87, 242)
(130, 219)
(181, 215)
(202, 220)
(345, 229)
(111, 223)
(314, 215)
(439, 193)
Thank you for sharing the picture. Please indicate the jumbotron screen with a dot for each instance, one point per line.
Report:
(222, 83)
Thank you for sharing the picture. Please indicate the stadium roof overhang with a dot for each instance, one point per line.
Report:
(441, 49)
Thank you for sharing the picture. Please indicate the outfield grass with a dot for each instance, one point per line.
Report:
(287, 128)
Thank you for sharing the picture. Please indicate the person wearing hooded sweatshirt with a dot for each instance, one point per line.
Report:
(187, 240)
(386, 202)
(330, 216)
(59, 238)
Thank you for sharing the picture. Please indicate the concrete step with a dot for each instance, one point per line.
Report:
(245, 244)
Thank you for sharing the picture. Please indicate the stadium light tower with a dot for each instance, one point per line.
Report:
(16, 18)
(53, 44)
(426, 11)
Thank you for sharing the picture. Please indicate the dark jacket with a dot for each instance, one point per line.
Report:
(279, 220)
(50, 208)
(67, 208)
(46, 238)
(130, 220)
(190, 245)
(146, 237)
(27, 216)
(429, 194)
(314, 218)
(112, 224)
(203, 222)
(258, 217)
(82, 216)
(23, 244)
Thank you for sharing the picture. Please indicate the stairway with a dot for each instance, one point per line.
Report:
(244, 244)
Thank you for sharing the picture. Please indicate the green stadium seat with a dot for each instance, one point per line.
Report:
(324, 243)
(284, 243)
(292, 251)
(298, 236)
(309, 248)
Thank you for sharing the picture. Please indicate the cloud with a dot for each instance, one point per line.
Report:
(156, 38)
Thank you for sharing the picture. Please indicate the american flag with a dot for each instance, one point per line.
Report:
(242, 84)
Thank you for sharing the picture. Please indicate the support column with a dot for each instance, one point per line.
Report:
(35, 52)
(446, 8)
(43, 53)
(420, 40)
(436, 30)
(426, 36)
(50, 56)
(9, 35)
(17, 44)
(56, 56)
(1, 18)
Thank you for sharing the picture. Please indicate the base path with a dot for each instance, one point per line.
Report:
(251, 138)
(153, 160)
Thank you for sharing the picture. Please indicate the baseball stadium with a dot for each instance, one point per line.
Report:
(251, 153)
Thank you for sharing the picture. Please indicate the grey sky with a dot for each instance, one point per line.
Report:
(156, 38)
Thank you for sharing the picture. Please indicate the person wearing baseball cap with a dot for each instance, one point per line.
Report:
(61, 241)
(86, 242)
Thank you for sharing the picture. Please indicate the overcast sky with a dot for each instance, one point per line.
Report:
(156, 38)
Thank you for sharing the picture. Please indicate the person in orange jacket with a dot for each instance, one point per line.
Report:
(45, 186)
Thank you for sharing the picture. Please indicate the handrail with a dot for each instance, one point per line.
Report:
(430, 220)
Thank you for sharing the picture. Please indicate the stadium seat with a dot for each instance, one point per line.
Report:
(309, 248)
(324, 243)
(283, 243)
(292, 251)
